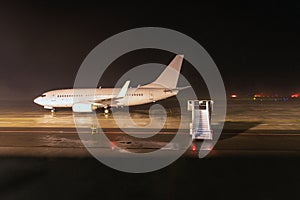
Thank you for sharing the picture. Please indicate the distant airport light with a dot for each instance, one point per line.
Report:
(296, 95)
(258, 95)
(233, 96)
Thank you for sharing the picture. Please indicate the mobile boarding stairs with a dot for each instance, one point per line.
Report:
(200, 127)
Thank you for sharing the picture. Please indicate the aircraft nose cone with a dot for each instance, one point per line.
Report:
(37, 100)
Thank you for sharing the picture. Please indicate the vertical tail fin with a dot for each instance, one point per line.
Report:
(169, 77)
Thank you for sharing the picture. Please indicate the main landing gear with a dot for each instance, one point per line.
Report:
(107, 110)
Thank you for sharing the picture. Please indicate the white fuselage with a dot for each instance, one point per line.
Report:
(134, 96)
(87, 100)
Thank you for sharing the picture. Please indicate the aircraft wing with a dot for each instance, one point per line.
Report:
(105, 101)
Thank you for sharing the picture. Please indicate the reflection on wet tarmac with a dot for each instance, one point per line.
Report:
(18, 115)
(260, 127)
(268, 115)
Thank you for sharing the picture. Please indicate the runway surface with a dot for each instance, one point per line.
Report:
(252, 128)
(256, 157)
(66, 143)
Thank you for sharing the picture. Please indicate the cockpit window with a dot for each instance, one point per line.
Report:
(43, 95)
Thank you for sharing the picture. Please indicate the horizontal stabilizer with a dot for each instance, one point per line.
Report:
(183, 88)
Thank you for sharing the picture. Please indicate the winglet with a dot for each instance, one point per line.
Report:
(123, 90)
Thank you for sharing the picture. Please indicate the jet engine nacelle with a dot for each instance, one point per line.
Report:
(83, 107)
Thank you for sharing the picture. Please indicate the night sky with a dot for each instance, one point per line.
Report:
(255, 45)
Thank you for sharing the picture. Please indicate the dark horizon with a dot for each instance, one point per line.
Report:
(254, 45)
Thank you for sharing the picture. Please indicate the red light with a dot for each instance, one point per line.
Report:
(233, 96)
(113, 145)
(296, 95)
(194, 148)
(258, 95)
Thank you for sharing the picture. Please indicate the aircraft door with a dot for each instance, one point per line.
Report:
(53, 99)
(151, 96)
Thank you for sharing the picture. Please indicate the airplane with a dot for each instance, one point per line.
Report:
(90, 99)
